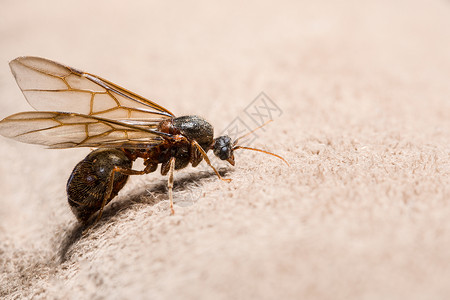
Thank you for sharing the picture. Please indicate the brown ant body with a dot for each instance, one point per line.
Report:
(78, 109)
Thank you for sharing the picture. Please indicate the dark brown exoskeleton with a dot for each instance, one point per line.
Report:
(78, 109)
(97, 179)
(90, 186)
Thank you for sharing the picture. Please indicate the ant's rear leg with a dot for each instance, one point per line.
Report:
(97, 179)
(120, 171)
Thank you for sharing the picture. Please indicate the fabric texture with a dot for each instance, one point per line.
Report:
(359, 96)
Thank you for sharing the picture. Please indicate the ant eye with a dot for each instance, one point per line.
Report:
(224, 153)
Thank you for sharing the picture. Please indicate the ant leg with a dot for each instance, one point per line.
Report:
(205, 156)
(148, 169)
(170, 184)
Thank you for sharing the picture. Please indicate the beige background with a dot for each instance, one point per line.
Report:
(362, 213)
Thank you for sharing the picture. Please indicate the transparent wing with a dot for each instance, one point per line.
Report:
(67, 130)
(50, 86)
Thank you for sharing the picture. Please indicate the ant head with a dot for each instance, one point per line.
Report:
(223, 148)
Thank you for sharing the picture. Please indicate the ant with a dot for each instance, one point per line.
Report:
(79, 109)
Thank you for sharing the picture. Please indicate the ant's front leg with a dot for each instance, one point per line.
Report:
(196, 145)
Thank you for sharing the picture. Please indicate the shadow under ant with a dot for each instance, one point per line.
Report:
(157, 195)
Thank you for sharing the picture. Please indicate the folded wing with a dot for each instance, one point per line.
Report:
(67, 130)
(50, 86)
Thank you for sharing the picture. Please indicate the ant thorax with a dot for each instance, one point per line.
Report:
(191, 127)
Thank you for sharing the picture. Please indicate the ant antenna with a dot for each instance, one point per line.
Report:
(248, 133)
(235, 146)
(263, 151)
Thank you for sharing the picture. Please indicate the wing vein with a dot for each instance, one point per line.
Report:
(78, 109)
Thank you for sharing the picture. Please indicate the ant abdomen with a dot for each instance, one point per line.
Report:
(88, 184)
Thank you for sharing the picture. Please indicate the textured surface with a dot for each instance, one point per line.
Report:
(363, 211)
